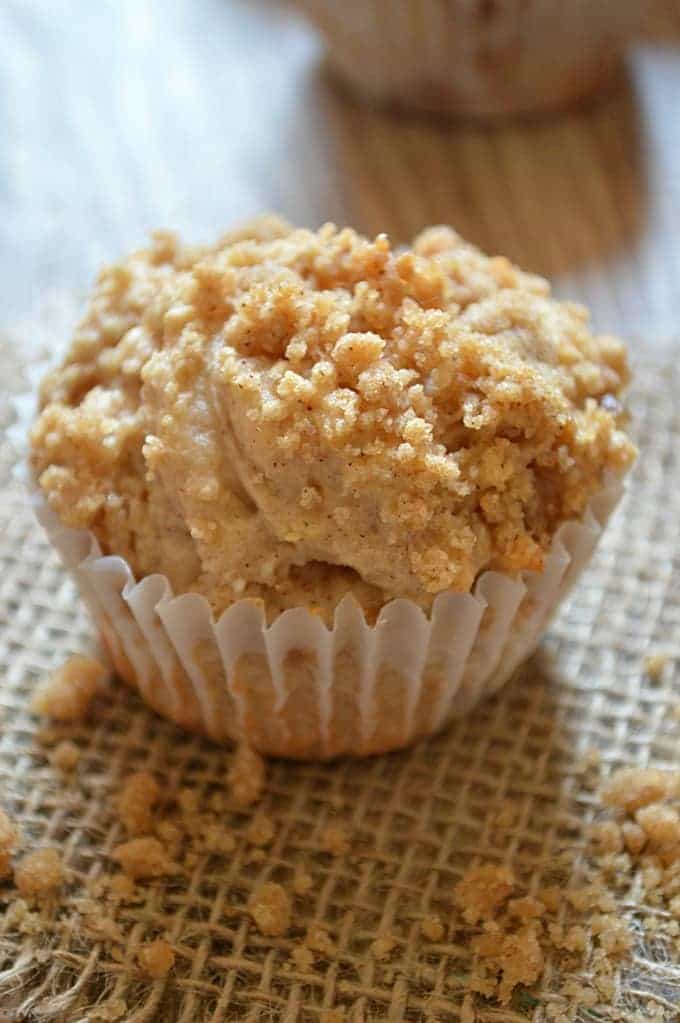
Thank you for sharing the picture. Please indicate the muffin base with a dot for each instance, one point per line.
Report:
(301, 690)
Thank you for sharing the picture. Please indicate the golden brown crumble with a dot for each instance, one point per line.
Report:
(655, 664)
(65, 756)
(335, 840)
(291, 415)
(383, 946)
(260, 831)
(633, 787)
(303, 957)
(303, 882)
(157, 958)
(270, 908)
(482, 890)
(432, 928)
(246, 775)
(142, 858)
(9, 840)
(39, 873)
(136, 801)
(68, 693)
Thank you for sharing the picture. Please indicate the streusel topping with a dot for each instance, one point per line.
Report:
(292, 415)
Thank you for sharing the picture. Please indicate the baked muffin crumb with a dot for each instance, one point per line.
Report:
(142, 858)
(157, 958)
(68, 693)
(39, 873)
(270, 908)
(65, 756)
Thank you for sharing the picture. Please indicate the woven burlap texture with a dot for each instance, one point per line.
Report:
(415, 820)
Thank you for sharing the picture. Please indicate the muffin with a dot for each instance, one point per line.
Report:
(475, 57)
(319, 493)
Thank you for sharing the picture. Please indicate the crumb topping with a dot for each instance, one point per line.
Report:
(292, 415)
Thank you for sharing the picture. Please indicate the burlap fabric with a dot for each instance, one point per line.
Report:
(572, 201)
(415, 820)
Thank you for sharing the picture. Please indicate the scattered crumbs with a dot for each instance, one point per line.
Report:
(45, 735)
(260, 831)
(215, 838)
(246, 776)
(187, 800)
(302, 881)
(142, 858)
(65, 756)
(39, 873)
(318, 939)
(518, 956)
(136, 801)
(383, 946)
(526, 908)
(607, 835)
(256, 855)
(661, 825)
(432, 928)
(9, 840)
(655, 664)
(631, 788)
(122, 887)
(157, 958)
(69, 691)
(551, 897)
(589, 759)
(335, 840)
(482, 890)
(332, 1016)
(303, 957)
(270, 908)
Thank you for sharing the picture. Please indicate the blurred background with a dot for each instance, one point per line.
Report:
(124, 115)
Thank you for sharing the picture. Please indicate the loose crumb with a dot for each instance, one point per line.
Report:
(39, 873)
(302, 881)
(383, 946)
(246, 776)
(157, 958)
(9, 840)
(122, 887)
(655, 664)
(65, 756)
(318, 939)
(303, 957)
(432, 928)
(631, 788)
(142, 858)
(526, 908)
(482, 890)
(270, 908)
(521, 962)
(260, 831)
(135, 804)
(68, 693)
(661, 825)
(335, 840)
(332, 1016)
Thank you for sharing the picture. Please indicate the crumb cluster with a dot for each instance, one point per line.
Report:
(290, 415)
(68, 693)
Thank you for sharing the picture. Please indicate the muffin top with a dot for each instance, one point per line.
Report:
(294, 415)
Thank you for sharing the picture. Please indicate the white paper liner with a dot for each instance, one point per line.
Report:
(298, 688)
(462, 57)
